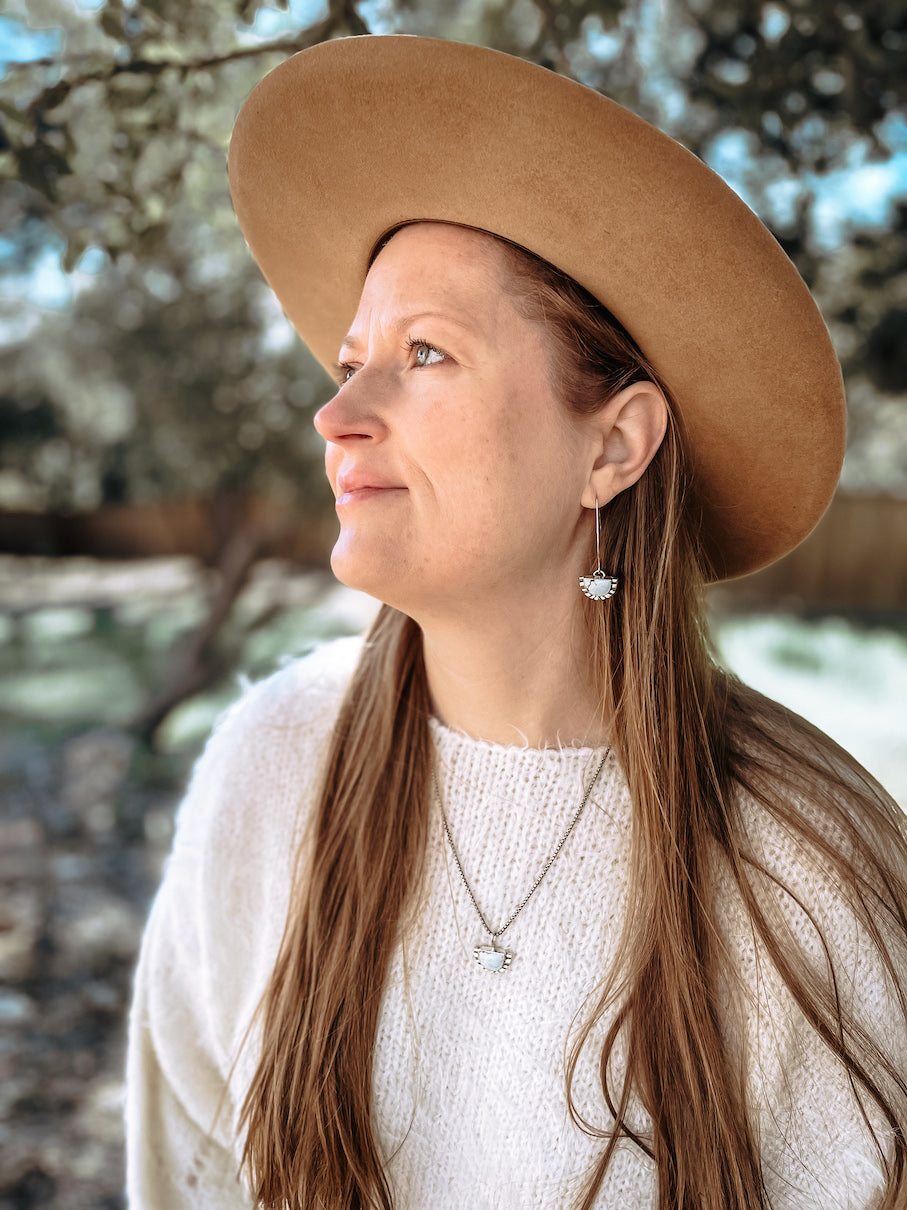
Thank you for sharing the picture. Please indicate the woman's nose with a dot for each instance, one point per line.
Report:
(350, 414)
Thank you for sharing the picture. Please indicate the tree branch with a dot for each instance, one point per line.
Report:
(342, 15)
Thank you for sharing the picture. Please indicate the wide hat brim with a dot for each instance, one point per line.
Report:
(351, 138)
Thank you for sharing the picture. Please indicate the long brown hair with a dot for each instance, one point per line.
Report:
(691, 739)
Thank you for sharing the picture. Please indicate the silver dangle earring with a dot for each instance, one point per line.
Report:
(598, 586)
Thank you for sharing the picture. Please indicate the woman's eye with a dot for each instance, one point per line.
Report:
(426, 354)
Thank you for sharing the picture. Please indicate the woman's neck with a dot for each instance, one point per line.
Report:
(516, 681)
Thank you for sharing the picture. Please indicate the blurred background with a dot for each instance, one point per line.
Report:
(164, 524)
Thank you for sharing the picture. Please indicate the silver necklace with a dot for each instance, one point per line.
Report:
(489, 956)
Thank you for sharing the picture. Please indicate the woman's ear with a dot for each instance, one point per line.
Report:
(627, 432)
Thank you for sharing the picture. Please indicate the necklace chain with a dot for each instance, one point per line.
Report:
(495, 933)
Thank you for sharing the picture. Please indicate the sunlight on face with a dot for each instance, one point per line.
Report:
(457, 470)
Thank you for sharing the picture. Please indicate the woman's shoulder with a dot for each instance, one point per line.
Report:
(264, 759)
(304, 692)
(821, 841)
(803, 804)
(286, 716)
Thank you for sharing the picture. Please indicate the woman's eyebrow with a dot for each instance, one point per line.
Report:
(350, 341)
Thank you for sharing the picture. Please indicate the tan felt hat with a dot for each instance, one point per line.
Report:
(351, 138)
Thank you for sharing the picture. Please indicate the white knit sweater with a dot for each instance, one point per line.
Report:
(469, 1092)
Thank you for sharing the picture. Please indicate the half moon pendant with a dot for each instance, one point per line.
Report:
(490, 958)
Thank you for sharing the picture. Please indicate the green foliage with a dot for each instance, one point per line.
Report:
(156, 384)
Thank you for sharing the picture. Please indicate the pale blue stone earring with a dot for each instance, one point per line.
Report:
(598, 586)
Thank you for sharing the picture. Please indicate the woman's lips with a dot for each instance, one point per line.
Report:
(358, 495)
(355, 485)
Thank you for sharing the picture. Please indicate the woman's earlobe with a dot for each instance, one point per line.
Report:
(630, 427)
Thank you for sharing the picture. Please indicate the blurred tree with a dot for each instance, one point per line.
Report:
(174, 372)
(160, 382)
(816, 87)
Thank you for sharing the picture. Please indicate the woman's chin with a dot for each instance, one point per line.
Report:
(370, 571)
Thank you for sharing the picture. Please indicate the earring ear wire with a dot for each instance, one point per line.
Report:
(599, 586)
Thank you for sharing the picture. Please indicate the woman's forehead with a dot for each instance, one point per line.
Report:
(451, 236)
(424, 266)
(433, 247)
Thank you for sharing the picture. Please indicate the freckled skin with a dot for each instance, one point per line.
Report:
(492, 464)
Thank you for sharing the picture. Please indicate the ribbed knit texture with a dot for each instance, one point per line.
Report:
(469, 1088)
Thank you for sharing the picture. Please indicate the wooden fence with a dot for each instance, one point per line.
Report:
(855, 559)
(201, 527)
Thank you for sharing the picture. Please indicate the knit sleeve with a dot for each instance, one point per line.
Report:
(812, 1124)
(177, 1156)
(213, 935)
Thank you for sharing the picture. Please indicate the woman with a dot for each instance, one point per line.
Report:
(523, 902)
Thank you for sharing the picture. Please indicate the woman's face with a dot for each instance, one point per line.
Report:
(457, 470)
